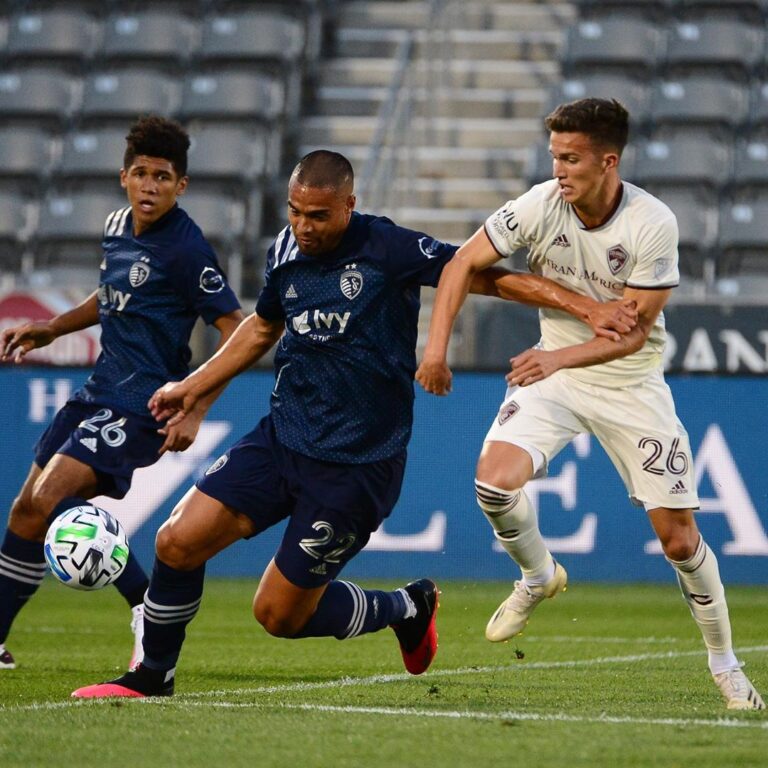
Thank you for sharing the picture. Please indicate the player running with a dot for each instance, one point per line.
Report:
(158, 275)
(342, 296)
(604, 238)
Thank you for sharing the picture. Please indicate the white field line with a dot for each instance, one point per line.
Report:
(344, 682)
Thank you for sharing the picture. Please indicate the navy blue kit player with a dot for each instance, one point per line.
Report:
(158, 276)
(342, 296)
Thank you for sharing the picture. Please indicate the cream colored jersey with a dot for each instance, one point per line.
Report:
(636, 248)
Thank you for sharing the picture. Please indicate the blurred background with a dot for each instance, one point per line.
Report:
(439, 105)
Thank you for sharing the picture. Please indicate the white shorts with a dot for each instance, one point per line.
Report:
(637, 426)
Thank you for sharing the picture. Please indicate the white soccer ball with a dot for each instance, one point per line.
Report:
(86, 548)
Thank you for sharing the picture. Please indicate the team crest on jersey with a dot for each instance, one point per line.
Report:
(617, 258)
(211, 281)
(218, 464)
(138, 274)
(508, 410)
(429, 247)
(351, 282)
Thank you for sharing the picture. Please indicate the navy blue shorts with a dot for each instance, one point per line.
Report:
(332, 509)
(112, 441)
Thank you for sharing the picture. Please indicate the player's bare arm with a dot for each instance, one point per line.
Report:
(250, 341)
(180, 434)
(536, 364)
(17, 341)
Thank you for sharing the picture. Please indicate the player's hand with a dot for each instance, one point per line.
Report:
(17, 341)
(531, 366)
(435, 377)
(612, 319)
(172, 402)
(180, 433)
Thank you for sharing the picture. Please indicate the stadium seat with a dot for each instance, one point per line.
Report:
(632, 93)
(25, 155)
(759, 104)
(742, 236)
(125, 94)
(251, 36)
(45, 96)
(15, 220)
(91, 154)
(231, 96)
(624, 42)
(715, 42)
(750, 164)
(539, 166)
(59, 34)
(703, 100)
(228, 153)
(689, 160)
(221, 217)
(149, 36)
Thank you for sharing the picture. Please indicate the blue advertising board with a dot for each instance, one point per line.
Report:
(436, 528)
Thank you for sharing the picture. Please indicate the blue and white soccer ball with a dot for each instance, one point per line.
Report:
(86, 548)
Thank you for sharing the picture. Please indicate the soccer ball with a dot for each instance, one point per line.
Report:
(86, 548)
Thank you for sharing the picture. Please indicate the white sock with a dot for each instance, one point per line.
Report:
(699, 579)
(515, 525)
(410, 606)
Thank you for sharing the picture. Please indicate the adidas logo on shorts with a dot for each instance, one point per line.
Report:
(678, 487)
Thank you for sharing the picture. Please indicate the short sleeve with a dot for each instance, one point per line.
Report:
(268, 304)
(203, 285)
(656, 265)
(414, 256)
(513, 226)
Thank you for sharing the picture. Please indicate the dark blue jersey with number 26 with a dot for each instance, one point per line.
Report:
(344, 367)
(152, 290)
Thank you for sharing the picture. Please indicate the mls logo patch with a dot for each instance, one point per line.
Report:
(138, 274)
(218, 464)
(617, 258)
(429, 247)
(351, 283)
(211, 281)
(508, 410)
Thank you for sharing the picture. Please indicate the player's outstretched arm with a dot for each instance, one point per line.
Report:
(475, 255)
(250, 341)
(610, 319)
(180, 434)
(536, 364)
(17, 341)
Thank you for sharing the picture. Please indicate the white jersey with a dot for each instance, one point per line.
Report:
(636, 248)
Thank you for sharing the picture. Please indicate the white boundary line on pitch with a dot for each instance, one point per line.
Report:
(343, 682)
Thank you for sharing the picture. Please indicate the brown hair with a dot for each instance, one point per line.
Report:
(605, 121)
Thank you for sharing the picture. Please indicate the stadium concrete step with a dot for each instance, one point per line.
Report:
(443, 102)
(439, 131)
(530, 45)
(454, 225)
(487, 193)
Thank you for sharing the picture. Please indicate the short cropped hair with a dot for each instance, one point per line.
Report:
(605, 121)
(158, 137)
(325, 169)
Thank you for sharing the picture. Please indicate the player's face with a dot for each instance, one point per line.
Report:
(152, 186)
(580, 168)
(318, 216)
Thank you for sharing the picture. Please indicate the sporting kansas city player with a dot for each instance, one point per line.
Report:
(342, 290)
(158, 275)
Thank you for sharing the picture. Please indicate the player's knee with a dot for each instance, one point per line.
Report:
(275, 619)
(173, 550)
(679, 547)
(24, 521)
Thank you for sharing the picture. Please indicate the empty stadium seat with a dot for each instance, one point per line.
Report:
(228, 153)
(92, 154)
(759, 104)
(613, 41)
(683, 160)
(742, 235)
(251, 35)
(15, 220)
(750, 164)
(705, 100)
(44, 95)
(231, 96)
(25, 154)
(125, 94)
(58, 33)
(632, 93)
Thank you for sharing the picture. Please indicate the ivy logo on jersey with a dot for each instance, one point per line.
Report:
(429, 247)
(138, 274)
(351, 282)
(617, 258)
(507, 411)
(218, 464)
(211, 281)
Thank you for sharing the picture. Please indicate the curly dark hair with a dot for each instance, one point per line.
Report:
(158, 137)
(605, 121)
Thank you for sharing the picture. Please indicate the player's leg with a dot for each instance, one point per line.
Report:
(199, 527)
(698, 574)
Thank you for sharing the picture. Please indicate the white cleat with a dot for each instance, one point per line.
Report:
(737, 691)
(137, 627)
(513, 614)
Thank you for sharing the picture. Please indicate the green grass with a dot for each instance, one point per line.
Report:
(607, 676)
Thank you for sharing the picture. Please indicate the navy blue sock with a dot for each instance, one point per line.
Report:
(170, 604)
(132, 582)
(22, 568)
(345, 610)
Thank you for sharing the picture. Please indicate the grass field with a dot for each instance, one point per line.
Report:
(604, 676)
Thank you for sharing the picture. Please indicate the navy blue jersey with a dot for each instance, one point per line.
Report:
(152, 290)
(344, 367)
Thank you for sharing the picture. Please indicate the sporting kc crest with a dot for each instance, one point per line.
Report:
(351, 283)
(617, 258)
(138, 274)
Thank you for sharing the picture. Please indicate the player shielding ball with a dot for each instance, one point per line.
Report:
(607, 239)
(341, 295)
(157, 276)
